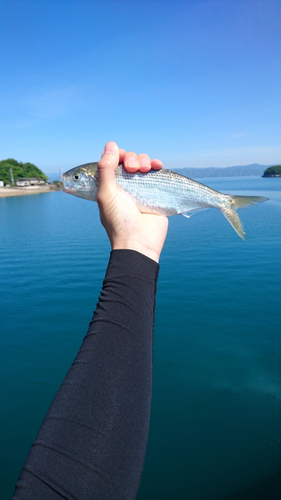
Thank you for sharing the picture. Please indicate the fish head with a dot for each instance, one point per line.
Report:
(82, 181)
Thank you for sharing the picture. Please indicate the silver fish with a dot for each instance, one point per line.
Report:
(161, 192)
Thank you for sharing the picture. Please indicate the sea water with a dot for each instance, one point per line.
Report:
(215, 429)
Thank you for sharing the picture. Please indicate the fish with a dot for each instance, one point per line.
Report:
(161, 192)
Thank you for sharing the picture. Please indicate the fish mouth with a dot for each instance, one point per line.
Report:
(68, 186)
(81, 189)
(71, 188)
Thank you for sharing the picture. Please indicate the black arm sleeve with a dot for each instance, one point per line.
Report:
(92, 442)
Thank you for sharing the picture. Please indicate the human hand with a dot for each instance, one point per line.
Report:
(126, 226)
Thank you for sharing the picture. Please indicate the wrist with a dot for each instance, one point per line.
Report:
(137, 246)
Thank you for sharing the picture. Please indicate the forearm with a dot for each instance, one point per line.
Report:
(92, 442)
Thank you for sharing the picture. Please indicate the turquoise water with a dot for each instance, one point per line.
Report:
(216, 410)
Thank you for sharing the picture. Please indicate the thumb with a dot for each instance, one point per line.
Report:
(106, 169)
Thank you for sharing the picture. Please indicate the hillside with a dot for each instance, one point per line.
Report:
(274, 171)
(19, 169)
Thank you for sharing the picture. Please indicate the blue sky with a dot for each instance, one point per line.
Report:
(195, 83)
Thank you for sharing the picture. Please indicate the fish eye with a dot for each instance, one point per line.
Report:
(76, 177)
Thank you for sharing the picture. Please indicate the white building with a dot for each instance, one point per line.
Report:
(22, 182)
(33, 181)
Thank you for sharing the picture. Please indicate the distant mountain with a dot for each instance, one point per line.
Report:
(198, 173)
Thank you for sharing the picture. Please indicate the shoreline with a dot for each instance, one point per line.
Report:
(8, 192)
(270, 176)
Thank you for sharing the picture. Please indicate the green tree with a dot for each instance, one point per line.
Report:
(272, 171)
(58, 184)
(20, 170)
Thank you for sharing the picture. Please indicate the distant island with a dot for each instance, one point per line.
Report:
(246, 170)
(274, 171)
(19, 171)
(18, 179)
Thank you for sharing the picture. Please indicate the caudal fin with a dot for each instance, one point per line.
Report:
(240, 202)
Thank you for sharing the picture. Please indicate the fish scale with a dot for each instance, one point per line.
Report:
(168, 192)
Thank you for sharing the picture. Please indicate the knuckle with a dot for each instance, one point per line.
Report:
(104, 163)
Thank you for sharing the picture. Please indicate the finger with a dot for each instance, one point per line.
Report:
(156, 164)
(106, 168)
(130, 162)
(144, 163)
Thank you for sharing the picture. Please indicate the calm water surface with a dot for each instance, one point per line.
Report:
(216, 412)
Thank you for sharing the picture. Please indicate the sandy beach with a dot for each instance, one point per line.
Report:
(17, 191)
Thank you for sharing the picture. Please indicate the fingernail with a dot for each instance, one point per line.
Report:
(109, 149)
(144, 162)
(131, 162)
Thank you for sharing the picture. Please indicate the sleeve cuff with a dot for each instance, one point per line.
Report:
(131, 263)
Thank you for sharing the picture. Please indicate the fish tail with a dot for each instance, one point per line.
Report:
(239, 202)
(246, 201)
